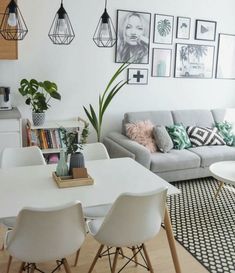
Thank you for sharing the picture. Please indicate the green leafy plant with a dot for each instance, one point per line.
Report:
(71, 141)
(96, 119)
(38, 94)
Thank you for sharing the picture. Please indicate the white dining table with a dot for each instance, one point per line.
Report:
(33, 186)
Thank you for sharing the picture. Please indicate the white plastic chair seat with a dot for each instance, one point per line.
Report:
(8, 222)
(95, 151)
(93, 212)
(94, 225)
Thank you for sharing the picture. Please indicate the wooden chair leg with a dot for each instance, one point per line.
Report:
(9, 264)
(33, 268)
(219, 189)
(66, 266)
(76, 258)
(147, 259)
(134, 253)
(2, 248)
(59, 265)
(96, 258)
(21, 267)
(115, 259)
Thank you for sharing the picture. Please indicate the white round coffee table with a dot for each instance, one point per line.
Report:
(224, 172)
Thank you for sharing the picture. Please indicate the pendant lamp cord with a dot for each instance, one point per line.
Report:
(62, 2)
(105, 3)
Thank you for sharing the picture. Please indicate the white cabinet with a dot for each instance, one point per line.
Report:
(10, 129)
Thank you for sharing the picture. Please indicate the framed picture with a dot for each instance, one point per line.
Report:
(225, 65)
(133, 35)
(194, 61)
(163, 29)
(205, 30)
(183, 28)
(137, 76)
(161, 63)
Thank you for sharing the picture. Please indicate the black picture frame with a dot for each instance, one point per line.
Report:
(131, 71)
(158, 38)
(203, 68)
(200, 34)
(179, 25)
(137, 41)
(225, 69)
(167, 66)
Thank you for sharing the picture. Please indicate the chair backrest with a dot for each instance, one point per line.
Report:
(18, 157)
(133, 219)
(48, 234)
(95, 151)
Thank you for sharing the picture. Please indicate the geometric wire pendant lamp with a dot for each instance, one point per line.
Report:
(13, 26)
(61, 31)
(105, 34)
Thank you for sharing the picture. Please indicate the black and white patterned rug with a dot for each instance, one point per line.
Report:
(204, 225)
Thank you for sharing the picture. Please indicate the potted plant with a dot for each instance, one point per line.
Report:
(38, 96)
(74, 146)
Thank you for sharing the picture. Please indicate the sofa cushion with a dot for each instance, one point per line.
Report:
(194, 117)
(202, 136)
(174, 160)
(179, 136)
(212, 154)
(162, 139)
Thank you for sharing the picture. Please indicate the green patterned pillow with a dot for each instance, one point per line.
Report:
(225, 130)
(179, 136)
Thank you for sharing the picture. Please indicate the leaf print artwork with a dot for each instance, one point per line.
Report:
(164, 27)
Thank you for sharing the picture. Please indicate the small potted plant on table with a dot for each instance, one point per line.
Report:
(38, 95)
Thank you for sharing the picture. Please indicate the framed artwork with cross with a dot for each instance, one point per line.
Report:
(137, 76)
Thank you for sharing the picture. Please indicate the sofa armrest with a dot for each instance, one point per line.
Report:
(134, 149)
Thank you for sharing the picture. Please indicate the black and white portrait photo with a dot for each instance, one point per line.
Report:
(133, 34)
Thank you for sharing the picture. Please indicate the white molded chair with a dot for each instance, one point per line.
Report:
(18, 157)
(95, 151)
(132, 220)
(42, 235)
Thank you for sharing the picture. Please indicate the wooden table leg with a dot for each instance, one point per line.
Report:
(171, 241)
(219, 189)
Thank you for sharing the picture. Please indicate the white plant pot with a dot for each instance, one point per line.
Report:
(38, 118)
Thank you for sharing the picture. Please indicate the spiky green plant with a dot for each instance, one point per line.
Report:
(96, 119)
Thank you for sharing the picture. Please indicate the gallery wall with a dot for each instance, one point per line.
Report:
(82, 70)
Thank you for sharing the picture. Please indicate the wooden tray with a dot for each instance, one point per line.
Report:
(68, 181)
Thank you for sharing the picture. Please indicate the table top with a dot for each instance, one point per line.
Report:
(223, 171)
(34, 186)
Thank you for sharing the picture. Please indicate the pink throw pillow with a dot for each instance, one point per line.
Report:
(142, 132)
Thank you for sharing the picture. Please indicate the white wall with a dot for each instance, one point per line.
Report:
(82, 70)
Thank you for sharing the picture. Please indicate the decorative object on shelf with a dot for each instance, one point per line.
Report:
(62, 167)
(137, 76)
(38, 95)
(133, 34)
(183, 27)
(161, 63)
(194, 61)
(163, 29)
(13, 26)
(105, 34)
(61, 31)
(225, 65)
(205, 30)
(96, 120)
(73, 144)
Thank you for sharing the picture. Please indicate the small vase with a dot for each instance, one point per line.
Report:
(38, 118)
(76, 161)
(62, 167)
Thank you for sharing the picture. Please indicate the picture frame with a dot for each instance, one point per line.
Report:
(163, 29)
(133, 37)
(194, 61)
(161, 62)
(183, 28)
(137, 76)
(205, 30)
(225, 64)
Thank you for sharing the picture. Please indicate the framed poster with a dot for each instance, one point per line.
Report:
(205, 30)
(133, 35)
(194, 61)
(161, 62)
(225, 65)
(137, 76)
(163, 29)
(183, 27)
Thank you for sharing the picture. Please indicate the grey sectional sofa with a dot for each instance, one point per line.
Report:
(177, 164)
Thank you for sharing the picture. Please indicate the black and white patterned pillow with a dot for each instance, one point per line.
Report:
(201, 136)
